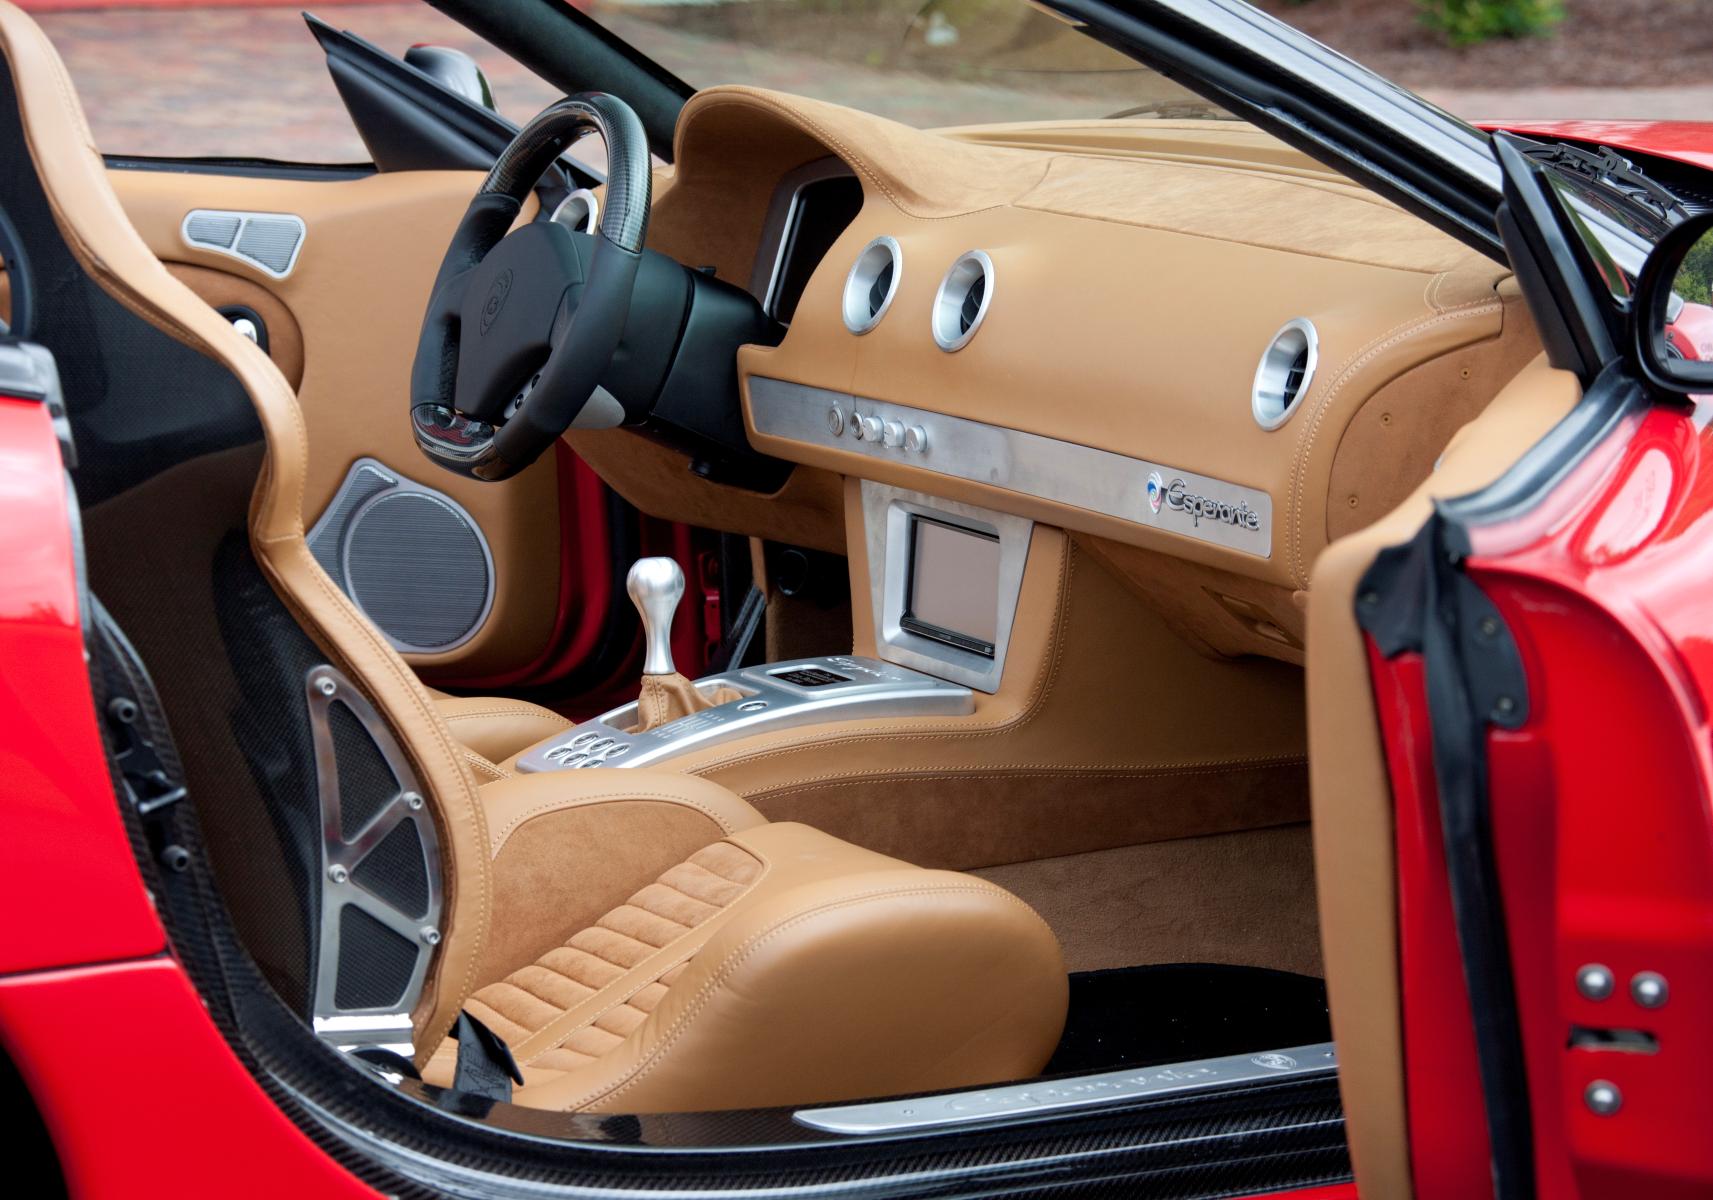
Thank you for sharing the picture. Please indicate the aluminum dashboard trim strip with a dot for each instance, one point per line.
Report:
(1115, 485)
(1077, 1092)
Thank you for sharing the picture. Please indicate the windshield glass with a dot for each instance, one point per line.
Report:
(944, 62)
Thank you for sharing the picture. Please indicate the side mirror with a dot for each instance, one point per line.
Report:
(1671, 310)
(453, 70)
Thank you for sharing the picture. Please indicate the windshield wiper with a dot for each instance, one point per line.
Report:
(1614, 173)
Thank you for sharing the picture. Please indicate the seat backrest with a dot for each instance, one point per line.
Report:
(192, 454)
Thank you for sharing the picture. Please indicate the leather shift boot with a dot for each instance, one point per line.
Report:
(667, 697)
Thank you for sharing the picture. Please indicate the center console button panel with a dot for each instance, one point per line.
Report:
(774, 696)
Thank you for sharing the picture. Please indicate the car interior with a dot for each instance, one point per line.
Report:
(1066, 763)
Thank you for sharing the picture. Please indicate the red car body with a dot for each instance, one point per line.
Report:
(1689, 142)
(1604, 843)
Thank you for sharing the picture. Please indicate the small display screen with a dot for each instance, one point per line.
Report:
(952, 591)
(811, 677)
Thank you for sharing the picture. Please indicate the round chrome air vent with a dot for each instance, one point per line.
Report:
(580, 212)
(962, 300)
(872, 284)
(1285, 373)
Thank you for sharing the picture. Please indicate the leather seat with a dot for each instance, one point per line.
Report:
(645, 941)
(495, 727)
(775, 965)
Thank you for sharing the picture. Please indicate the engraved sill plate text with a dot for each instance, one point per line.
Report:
(1059, 1095)
(1114, 485)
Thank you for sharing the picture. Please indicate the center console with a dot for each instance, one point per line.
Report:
(805, 691)
(944, 581)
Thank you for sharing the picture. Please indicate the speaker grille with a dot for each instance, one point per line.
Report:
(271, 242)
(411, 557)
(417, 568)
(213, 229)
(364, 483)
(268, 241)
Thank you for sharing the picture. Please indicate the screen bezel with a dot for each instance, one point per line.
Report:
(886, 511)
(939, 633)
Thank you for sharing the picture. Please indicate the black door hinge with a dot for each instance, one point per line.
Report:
(149, 787)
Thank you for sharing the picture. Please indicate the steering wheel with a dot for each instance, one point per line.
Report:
(521, 327)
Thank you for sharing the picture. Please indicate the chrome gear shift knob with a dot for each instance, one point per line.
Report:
(656, 585)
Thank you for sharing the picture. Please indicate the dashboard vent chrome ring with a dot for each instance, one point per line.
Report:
(1285, 374)
(580, 212)
(872, 283)
(962, 302)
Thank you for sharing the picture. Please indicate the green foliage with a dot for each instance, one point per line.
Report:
(1695, 276)
(1465, 22)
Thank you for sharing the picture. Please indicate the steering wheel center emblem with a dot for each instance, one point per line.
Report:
(502, 287)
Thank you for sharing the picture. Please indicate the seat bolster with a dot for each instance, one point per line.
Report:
(497, 728)
(876, 978)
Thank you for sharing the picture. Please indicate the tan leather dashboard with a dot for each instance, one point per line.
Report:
(1139, 271)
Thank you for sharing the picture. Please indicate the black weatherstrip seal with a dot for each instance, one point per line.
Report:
(1418, 597)
(245, 168)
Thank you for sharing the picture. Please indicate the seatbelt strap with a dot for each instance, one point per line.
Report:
(486, 1067)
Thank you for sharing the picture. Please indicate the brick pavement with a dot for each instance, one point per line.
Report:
(233, 81)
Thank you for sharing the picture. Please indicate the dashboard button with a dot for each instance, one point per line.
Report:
(836, 420)
(915, 439)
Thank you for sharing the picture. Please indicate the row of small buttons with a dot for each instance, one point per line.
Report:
(894, 435)
(587, 750)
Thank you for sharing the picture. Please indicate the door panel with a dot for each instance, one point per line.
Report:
(1540, 653)
(1600, 803)
(1355, 823)
(343, 327)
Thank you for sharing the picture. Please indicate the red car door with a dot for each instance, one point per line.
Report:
(1542, 662)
